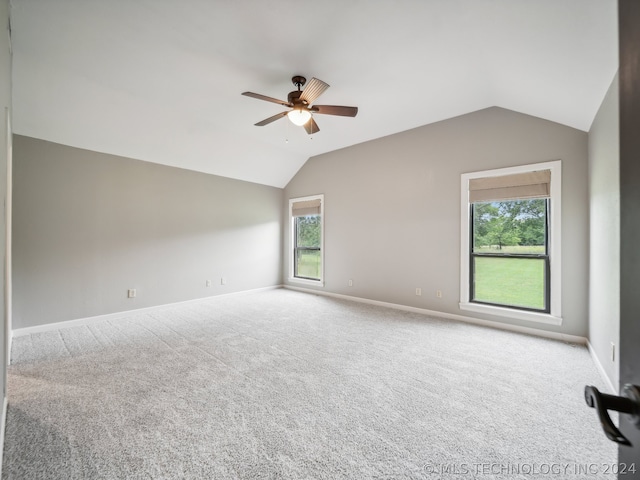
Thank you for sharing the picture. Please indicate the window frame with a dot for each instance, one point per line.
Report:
(532, 256)
(293, 243)
(554, 288)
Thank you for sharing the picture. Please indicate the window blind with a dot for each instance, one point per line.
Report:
(306, 207)
(510, 187)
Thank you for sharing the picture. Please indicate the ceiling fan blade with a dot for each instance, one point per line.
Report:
(267, 99)
(313, 89)
(335, 110)
(267, 121)
(311, 126)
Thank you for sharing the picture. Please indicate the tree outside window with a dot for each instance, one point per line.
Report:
(509, 258)
(308, 262)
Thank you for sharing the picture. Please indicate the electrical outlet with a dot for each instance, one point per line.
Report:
(613, 352)
(131, 293)
(439, 293)
(350, 283)
(208, 283)
(418, 291)
(223, 281)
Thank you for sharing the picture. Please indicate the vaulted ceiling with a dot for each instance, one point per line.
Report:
(161, 80)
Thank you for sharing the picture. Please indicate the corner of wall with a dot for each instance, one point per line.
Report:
(5, 194)
(604, 236)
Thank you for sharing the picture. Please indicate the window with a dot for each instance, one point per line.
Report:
(509, 260)
(510, 255)
(307, 239)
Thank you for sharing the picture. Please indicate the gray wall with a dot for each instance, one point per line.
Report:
(392, 208)
(5, 104)
(604, 207)
(90, 226)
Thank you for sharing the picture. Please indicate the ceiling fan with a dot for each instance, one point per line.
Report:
(300, 102)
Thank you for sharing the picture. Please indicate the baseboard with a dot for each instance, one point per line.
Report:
(434, 313)
(450, 316)
(8, 353)
(3, 423)
(601, 370)
(19, 332)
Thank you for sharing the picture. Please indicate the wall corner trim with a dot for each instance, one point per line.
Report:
(601, 370)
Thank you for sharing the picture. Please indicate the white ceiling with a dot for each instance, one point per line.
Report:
(160, 80)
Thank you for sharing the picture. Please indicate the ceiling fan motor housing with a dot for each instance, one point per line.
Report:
(294, 98)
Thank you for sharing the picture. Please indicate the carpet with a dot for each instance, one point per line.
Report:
(288, 385)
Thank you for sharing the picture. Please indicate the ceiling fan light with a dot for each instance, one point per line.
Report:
(299, 117)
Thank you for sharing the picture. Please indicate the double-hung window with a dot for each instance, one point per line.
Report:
(510, 256)
(306, 216)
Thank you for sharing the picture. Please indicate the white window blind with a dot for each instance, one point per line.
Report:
(306, 207)
(517, 186)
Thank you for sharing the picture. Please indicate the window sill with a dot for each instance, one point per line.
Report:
(306, 281)
(512, 313)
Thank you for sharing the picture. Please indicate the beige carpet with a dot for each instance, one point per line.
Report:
(286, 385)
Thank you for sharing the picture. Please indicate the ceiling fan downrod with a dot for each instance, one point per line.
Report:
(299, 81)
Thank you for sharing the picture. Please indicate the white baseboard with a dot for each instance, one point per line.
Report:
(3, 423)
(19, 332)
(8, 354)
(601, 370)
(502, 326)
(434, 313)
(462, 318)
